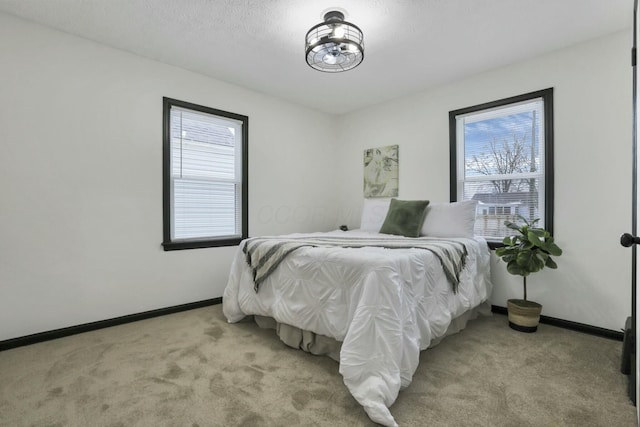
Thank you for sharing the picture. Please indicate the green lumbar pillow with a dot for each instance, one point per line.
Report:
(405, 217)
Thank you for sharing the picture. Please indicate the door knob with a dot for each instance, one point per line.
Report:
(627, 240)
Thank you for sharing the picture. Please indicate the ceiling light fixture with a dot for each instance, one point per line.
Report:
(334, 45)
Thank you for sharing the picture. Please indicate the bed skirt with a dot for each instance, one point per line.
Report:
(321, 345)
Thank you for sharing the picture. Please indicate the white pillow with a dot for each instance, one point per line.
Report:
(450, 219)
(374, 211)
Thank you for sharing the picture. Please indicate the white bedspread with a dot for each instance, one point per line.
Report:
(384, 305)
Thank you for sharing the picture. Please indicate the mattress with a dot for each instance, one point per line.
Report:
(383, 305)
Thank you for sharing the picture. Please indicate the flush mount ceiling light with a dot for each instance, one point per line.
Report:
(334, 45)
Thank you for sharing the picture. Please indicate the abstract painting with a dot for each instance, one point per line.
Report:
(381, 172)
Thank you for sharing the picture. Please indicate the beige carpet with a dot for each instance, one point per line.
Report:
(193, 369)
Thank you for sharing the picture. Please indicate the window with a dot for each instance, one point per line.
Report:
(502, 156)
(205, 176)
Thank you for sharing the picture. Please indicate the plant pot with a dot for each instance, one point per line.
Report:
(524, 315)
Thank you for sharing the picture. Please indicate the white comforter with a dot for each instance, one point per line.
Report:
(384, 305)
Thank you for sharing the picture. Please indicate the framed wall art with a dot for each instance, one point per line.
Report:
(381, 172)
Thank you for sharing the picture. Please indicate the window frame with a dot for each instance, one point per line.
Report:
(547, 98)
(195, 243)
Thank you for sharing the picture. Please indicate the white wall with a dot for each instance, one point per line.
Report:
(592, 113)
(81, 180)
(81, 176)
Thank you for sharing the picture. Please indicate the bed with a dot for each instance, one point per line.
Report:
(372, 308)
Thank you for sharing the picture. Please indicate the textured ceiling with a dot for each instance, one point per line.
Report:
(410, 45)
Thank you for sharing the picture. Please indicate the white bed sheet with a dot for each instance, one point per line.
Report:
(384, 305)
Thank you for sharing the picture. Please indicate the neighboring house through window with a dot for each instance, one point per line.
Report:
(205, 176)
(502, 156)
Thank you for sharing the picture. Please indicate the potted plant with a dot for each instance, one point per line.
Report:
(527, 252)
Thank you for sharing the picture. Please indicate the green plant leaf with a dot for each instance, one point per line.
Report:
(534, 239)
(510, 257)
(512, 225)
(530, 261)
(539, 232)
(527, 244)
(529, 251)
(554, 250)
(516, 269)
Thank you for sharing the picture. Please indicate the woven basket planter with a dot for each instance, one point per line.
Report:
(524, 315)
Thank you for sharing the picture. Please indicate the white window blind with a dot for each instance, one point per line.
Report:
(500, 163)
(206, 175)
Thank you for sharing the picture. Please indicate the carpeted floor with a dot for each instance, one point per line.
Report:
(193, 369)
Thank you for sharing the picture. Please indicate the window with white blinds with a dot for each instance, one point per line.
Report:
(501, 156)
(205, 176)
